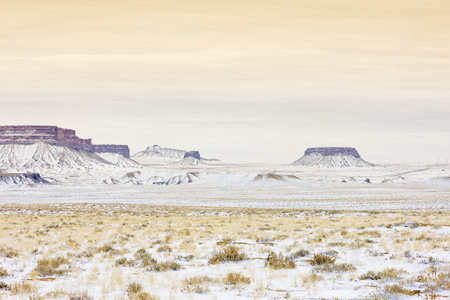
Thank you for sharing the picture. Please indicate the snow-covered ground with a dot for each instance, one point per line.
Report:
(102, 250)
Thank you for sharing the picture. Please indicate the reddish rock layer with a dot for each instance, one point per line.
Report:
(53, 135)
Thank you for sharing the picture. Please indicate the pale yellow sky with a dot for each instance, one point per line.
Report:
(241, 80)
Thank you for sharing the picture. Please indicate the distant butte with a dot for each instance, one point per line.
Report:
(194, 154)
(329, 151)
(332, 157)
(53, 135)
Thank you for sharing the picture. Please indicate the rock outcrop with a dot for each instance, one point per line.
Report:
(53, 135)
(120, 149)
(194, 154)
(332, 157)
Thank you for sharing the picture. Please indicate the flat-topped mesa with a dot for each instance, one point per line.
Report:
(121, 149)
(194, 154)
(331, 157)
(53, 135)
(330, 151)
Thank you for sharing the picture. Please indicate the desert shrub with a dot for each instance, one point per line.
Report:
(312, 278)
(22, 288)
(225, 241)
(133, 288)
(164, 266)
(9, 252)
(50, 266)
(4, 286)
(56, 293)
(336, 244)
(300, 253)
(144, 258)
(105, 248)
(124, 262)
(321, 259)
(236, 279)
(278, 261)
(336, 268)
(136, 292)
(87, 253)
(398, 289)
(185, 258)
(370, 275)
(230, 253)
(3, 272)
(164, 248)
(435, 281)
(80, 296)
(391, 273)
(386, 274)
(197, 284)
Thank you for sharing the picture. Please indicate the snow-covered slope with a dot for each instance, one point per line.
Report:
(338, 160)
(158, 178)
(119, 160)
(33, 158)
(190, 161)
(157, 151)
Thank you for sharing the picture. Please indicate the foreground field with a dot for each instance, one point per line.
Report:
(124, 251)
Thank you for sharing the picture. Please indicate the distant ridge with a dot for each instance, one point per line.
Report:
(332, 157)
(170, 153)
(41, 157)
(157, 151)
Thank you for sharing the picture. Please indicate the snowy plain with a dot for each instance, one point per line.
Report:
(392, 221)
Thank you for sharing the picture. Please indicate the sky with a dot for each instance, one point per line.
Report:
(242, 81)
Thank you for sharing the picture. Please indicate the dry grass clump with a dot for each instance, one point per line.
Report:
(312, 278)
(124, 262)
(435, 281)
(3, 272)
(22, 288)
(230, 253)
(225, 241)
(322, 259)
(197, 284)
(278, 261)
(300, 253)
(4, 286)
(9, 252)
(136, 292)
(145, 260)
(397, 289)
(336, 268)
(49, 266)
(80, 296)
(165, 248)
(236, 279)
(164, 266)
(386, 274)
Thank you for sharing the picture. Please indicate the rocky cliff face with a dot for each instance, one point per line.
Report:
(53, 135)
(331, 157)
(120, 149)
